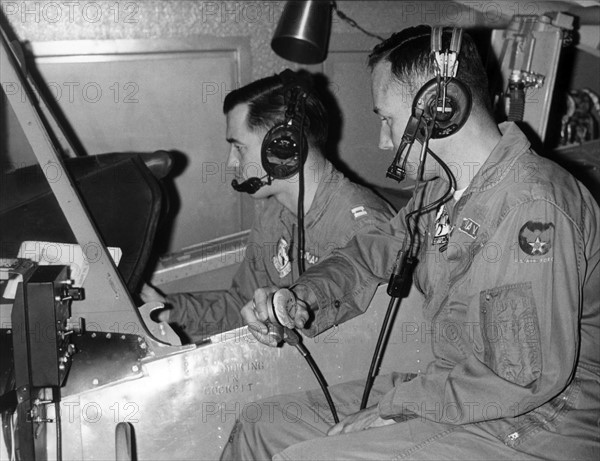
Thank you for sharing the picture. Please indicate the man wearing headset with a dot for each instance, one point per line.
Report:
(335, 209)
(510, 281)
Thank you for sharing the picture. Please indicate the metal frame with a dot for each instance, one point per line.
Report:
(108, 285)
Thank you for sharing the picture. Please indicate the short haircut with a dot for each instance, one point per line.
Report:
(413, 64)
(266, 107)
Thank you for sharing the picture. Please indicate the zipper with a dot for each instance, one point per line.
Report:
(455, 211)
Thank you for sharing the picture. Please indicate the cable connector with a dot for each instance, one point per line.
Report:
(291, 337)
(401, 277)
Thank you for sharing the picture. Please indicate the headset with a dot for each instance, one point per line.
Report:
(284, 147)
(441, 106)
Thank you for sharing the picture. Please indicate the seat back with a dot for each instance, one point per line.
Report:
(120, 192)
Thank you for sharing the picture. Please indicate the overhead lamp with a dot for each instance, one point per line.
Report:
(302, 33)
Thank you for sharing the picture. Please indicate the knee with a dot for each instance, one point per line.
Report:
(246, 443)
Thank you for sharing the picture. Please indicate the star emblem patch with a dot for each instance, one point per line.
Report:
(536, 238)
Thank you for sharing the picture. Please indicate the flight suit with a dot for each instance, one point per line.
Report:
(512, 296)
(340, 210)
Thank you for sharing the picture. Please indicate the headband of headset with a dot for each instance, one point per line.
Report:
(444, 102)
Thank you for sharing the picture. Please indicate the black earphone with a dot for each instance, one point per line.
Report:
(285, 146)
(441, 106)
(448, 113)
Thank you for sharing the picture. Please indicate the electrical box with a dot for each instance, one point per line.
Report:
(527, 53)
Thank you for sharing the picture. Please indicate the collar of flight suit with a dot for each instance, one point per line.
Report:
(502, 159)
(330, 180)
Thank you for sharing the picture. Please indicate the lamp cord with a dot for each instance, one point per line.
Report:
(353, 23)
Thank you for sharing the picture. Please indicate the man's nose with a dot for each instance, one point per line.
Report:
(232, 160)
(385, 138)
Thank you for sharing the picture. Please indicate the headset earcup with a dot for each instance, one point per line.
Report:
(280, 151)
(457, 109)
(284, 147)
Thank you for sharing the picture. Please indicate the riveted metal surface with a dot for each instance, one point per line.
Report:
(102, 358)
(183, 406)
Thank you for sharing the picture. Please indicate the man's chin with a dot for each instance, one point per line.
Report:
(264, 192)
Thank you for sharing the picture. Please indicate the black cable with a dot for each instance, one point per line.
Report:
(293, 338)
(58, 428)
(407, 257)
(384, 335)
(424, 150)
(300, 211)
(394, 303)
(323, 384)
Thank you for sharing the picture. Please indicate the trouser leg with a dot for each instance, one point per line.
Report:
(289, 419)
(415, 439)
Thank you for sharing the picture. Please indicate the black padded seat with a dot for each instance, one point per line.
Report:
(120, 191)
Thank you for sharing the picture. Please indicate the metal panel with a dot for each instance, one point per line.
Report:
(183, 406)
(144, 95)
(104, 285)
(350, 83)
(540, 41)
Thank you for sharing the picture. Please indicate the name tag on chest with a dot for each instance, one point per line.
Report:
(469, 227)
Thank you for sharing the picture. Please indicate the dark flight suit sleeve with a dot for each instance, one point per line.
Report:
(345, 282)
(205, 313)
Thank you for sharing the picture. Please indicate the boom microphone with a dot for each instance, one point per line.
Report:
(250, 185)
(397, 170)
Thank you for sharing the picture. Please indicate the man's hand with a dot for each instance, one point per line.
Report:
(359, 421)
(256, 319)
(149, 295)
(256, 314)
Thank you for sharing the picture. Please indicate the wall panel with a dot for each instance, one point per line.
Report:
(142, 95)
(349, 77)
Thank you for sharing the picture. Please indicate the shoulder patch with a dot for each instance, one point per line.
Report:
(358, 212)
(443, 229)
(536, 238)
(281, 260)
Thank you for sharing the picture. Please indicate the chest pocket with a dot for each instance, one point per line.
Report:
(510, 331)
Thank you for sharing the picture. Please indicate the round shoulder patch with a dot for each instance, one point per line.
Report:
(536, 238)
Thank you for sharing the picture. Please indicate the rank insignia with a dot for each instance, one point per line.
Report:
(358, 212)
(469, 227)
(535, 238)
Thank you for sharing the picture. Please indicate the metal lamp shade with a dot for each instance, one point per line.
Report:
(302, 34)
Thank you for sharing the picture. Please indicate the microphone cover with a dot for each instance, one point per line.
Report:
(250, 185)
